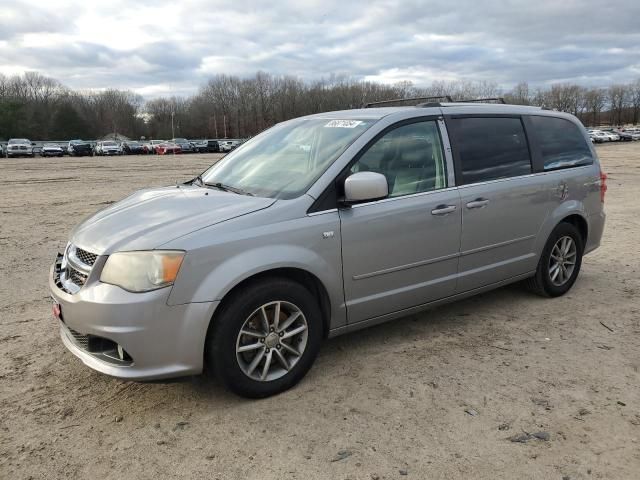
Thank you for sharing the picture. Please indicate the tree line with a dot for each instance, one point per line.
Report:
(38, 107)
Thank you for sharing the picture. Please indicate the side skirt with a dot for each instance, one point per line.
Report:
(425, 306)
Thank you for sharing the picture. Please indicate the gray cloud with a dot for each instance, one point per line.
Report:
(160, 46)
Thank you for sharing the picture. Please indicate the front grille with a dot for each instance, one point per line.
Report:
(85, 257)
(81, 340)
(78, 278)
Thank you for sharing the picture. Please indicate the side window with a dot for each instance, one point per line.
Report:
(410, 156)
(561, 142)
(489, 148)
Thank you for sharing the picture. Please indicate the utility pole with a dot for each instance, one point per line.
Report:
(224, 117)
(173, 133)
(215, 125)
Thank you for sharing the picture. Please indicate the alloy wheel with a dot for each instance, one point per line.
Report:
(562, 260)
(271, 341)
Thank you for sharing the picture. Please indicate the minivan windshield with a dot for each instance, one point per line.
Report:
(284, 161)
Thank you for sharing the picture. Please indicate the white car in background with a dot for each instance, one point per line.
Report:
(598, 136)
(108, 147)
(19, 147)
(228, 145)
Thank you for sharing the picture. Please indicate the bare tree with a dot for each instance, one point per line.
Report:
(634, 100)
(618, 96)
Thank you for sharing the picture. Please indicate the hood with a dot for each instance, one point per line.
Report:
(149, 218)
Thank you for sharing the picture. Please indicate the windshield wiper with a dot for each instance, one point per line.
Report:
(226, 188)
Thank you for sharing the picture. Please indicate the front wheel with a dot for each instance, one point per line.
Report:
(265, 338)
(560, 262)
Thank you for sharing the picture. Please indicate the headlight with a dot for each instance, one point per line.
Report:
(142, 271)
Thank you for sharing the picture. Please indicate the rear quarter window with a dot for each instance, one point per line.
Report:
(562, 144)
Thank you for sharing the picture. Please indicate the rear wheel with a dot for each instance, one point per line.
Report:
(265, 338)
(559, 263)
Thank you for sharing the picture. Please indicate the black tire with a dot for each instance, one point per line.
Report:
(223, 335)
(541, 282)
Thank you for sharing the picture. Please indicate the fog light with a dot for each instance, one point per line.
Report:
(120, 352)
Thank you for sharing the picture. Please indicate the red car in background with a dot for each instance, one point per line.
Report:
(168, 148)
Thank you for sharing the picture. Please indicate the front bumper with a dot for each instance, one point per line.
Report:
(162, 341)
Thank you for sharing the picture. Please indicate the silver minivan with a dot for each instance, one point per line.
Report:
(323, 225)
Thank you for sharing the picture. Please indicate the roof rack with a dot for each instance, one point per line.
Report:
(395, 100)
(483, 100)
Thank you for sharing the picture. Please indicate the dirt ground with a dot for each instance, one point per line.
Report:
(436, 395)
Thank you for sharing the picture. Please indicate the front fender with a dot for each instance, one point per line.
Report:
(210, 273)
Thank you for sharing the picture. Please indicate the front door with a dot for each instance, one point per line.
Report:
(402, 251)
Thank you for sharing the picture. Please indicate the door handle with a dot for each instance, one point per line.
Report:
(478, 203)
(443, 209)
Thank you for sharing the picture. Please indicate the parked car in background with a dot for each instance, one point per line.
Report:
(107, 147)
(132, 147)
(622, 135)
(51, 150)
(598, 136)
(228, 145)
(80, 148)
(19, 147)
(206, 146)
(151, 146)
(185, 145)
(634, 132)
(252, 264)
(200, 146)
(168, 148)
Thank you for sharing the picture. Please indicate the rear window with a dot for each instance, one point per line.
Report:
(561, 143)
(489, 148)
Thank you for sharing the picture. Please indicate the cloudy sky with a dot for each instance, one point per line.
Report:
(156, 47)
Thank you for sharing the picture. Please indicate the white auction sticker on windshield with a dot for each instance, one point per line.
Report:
(343, 123)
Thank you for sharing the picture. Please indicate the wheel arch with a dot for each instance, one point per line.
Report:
(572, 212)
(580, 223)
(303, 277)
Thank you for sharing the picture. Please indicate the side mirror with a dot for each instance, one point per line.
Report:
(364, 186)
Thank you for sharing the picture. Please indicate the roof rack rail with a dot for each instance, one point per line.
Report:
(483, 100)
(395, 100)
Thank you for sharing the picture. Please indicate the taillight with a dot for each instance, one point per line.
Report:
(603, 185)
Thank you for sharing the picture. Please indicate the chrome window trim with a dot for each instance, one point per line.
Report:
(402, 197)
(322, 212)
(528, 175)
